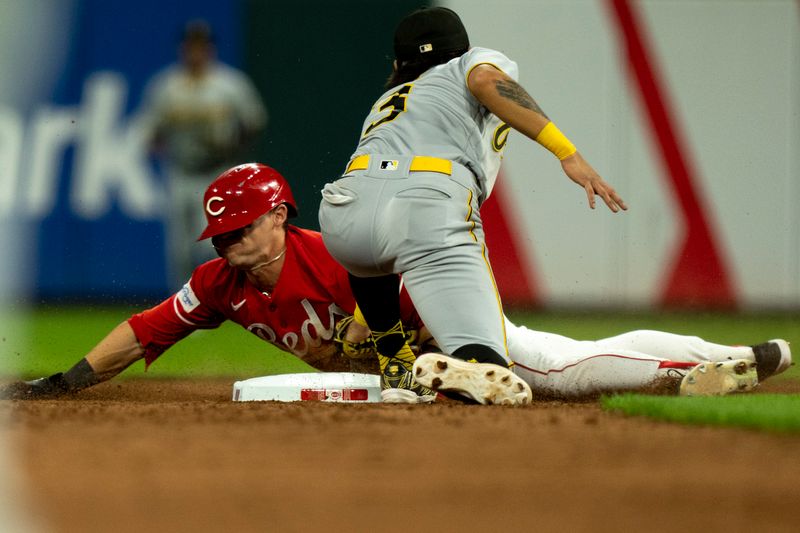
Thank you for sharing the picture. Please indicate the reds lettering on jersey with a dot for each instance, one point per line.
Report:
(312, 293)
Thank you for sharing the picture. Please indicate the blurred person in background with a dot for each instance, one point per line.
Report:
(199, 116)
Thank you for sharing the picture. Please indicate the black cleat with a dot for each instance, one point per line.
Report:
(772, 357)
(398, 386)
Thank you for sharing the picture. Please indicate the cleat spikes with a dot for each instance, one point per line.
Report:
(717, 379)
(484, 383)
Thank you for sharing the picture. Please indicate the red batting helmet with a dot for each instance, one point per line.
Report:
(242, 194)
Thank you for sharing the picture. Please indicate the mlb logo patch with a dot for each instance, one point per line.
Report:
(425, 48)
(389, 165)
(187, 298)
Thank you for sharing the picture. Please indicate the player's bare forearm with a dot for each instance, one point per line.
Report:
(507, 99)
(513, 105)
(110, 357)
(116, 352)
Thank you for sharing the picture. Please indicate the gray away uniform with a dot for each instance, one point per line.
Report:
(397, 212)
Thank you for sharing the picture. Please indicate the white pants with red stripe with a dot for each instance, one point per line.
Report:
(561, 366)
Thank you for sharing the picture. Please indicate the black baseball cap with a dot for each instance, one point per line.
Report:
(432, 30)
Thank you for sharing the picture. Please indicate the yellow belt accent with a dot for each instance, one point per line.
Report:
(423, 163)
(358, 163)
(420, 163)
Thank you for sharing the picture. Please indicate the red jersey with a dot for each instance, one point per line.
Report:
(299, 316)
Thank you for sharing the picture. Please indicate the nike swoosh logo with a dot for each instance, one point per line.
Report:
(236, 307)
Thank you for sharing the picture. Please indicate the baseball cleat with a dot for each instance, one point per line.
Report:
(772, 357)
(718, 379)
(485, 383)
(398, 386)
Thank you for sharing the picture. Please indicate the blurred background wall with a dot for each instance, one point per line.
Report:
(691, 109)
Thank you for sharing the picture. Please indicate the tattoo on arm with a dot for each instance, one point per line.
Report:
(511, 90)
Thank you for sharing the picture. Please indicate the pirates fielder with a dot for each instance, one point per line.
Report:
(409, 203)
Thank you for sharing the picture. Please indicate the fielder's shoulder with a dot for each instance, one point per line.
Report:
(486, 56)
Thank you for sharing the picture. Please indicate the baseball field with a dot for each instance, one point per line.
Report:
(166, 449)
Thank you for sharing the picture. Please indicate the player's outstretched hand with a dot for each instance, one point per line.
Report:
(582, 173)
(42, 388)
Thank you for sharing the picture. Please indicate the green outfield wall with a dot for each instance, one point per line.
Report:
(319, 66)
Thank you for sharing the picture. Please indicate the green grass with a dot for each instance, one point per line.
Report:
(771, 412)
(50, 339)
(40, 341)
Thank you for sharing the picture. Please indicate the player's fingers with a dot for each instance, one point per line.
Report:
(602, 193)
(590, 194)
(616, 198)
(620, 202)
(607, 198)
(611, 198)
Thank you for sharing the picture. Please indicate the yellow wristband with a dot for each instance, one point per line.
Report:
(358, 316)
(551, 138)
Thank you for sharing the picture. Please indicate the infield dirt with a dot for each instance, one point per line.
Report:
(151, 455)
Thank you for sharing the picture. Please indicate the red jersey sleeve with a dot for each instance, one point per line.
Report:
(191, 308)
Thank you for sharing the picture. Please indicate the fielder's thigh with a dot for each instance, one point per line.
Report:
(446, 269)
(345, 219)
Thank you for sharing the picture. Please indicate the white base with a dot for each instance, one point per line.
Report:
(342, 387)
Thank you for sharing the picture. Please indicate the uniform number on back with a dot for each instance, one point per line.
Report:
(395, 104)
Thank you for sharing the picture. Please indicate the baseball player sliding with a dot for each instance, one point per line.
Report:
(279, 282)
(409, 203)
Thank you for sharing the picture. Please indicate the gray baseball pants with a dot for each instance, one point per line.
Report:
(426, 226)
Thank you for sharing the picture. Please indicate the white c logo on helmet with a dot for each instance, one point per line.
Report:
(218, 211)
